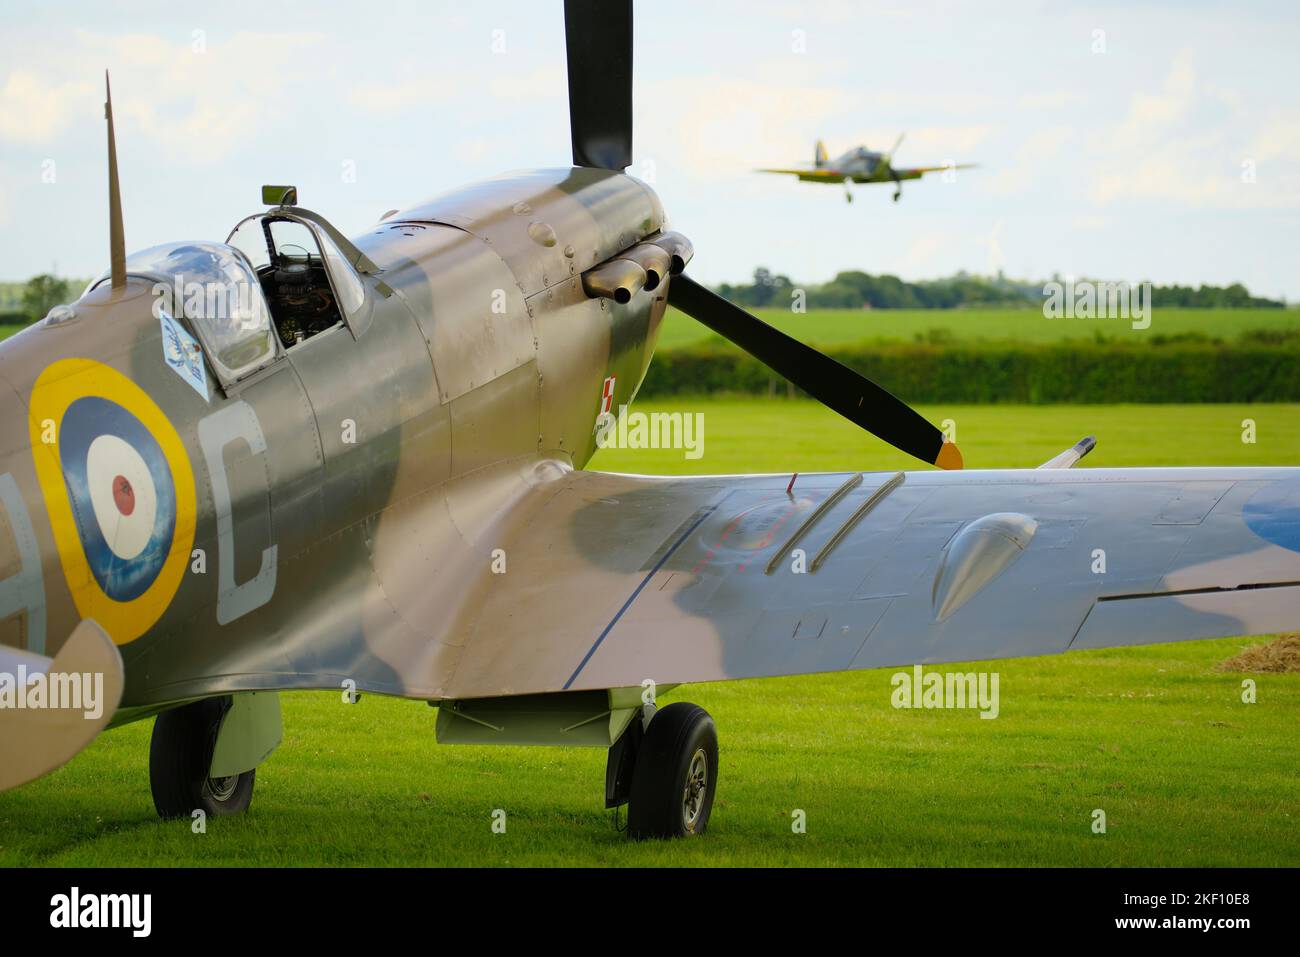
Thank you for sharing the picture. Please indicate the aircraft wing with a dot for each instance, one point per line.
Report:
(614, 579)
(809, 175)
(916, 172)
(530, 577)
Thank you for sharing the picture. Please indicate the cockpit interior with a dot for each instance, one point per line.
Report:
(291, 269)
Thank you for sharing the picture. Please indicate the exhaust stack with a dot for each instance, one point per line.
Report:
(655, 260)
(678, 247)
(618, 279)
(644, 266)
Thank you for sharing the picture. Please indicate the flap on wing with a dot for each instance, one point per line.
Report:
(1178, 616)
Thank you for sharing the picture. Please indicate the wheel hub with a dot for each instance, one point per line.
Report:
(697, 778)
(220, 789)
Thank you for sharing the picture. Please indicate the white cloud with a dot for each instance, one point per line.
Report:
(191, 105)
(36, 111)
(724, 127)
(922, 253)
(1165, 151)
(1051, 100)
(416, 84)
(548, 82)
(475, 150)
(1034, 159)
(923, 146)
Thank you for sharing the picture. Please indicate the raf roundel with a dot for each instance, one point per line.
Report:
(119, 490)
(122, 495)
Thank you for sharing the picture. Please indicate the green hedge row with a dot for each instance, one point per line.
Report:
(1074, 372)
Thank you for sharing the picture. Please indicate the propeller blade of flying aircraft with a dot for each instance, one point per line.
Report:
(598, 36)
(853, 396)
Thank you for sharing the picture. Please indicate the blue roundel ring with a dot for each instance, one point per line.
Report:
(122, 495)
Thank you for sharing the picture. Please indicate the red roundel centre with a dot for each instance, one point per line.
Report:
(123, 495)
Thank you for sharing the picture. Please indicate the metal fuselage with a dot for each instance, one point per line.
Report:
(297, 489)
(861, 166)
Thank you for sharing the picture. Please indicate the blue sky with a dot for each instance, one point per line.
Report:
(1131, 162)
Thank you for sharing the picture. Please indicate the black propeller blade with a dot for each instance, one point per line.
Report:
(853, 396)
(598, 35)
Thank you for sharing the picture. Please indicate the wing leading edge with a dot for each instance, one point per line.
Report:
(619, 579)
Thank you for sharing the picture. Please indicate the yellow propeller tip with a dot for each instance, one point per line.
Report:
(949, 457)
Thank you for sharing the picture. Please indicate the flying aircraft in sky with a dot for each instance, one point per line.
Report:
(861, 165)
(297, 460)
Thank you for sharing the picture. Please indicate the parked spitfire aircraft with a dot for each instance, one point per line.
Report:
(357, 464)
(861, 165)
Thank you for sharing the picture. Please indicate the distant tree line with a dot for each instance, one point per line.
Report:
(859, 290)
(25, 303)
(21, 304)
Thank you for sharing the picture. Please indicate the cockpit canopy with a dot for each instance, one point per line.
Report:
(215, 287)
(278, 277)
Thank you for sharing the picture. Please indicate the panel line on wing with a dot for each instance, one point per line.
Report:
(1204, 590)
(704, 513)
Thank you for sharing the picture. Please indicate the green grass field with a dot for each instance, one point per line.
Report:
(1156, 737)
(839, 327)
(745, 434)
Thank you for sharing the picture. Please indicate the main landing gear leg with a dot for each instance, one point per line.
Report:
(204, 755)
(180, 754)
(666, 772)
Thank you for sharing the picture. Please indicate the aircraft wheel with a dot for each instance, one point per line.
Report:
(676, 774)
(180, 753)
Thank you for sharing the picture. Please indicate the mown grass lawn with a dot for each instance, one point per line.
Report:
(1157, 738)
(747, 434)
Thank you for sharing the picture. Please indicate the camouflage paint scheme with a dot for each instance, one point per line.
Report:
(440, 387)
(473, 376)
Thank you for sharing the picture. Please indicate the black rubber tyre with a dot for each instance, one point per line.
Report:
(180, 753)
(676, 774)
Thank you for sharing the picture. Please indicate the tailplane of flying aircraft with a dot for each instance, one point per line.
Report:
(295, 459)
(861, 165)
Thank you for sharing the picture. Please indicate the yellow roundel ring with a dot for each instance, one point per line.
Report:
(119, 490)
